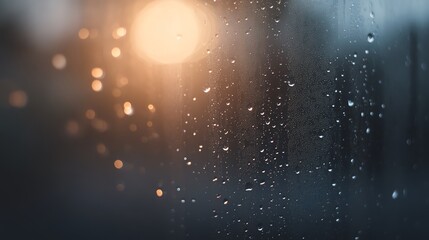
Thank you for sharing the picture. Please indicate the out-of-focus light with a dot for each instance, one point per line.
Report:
(116, 52)
(116, 92)
(128, 108)
(151, 108)
(118, 164)
(18, 99)
(166, 31)
(133, 127)
(101, 148)
(90, 114)
(149, 124)
(120, 187)
(59, 61)
(99, 125)
(119, 32)
(171, 32)
(83, 33)
(97, 72)
(121, 82)
(72, 128)
(159, 193)
(97, 85)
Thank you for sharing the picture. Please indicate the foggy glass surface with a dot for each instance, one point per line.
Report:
(301, 119)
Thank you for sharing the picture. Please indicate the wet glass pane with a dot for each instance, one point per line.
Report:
(190, 119)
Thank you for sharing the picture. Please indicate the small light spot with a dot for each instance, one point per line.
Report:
(99, 125)
(72, 128)
(121, 82)
(149, 124)
(116, 52)
(120, 187)
(133, 127)
(97, 72)
(119, 32)
(159, 192)
(97, 85)
(151, 108)
(18, 99)
(128, 108)
(101, 148)
(83, 33)
(90, 114)
(118, 164)
(59, 61)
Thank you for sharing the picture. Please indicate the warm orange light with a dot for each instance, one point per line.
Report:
(151, 108)
(97, 85)
(83, 33)
(90, 114)
(119, 32)
(97, 72)
(149, 123)
(59, 61)
(18, 99)
(128, 108)
(166, 31)
(159, 192)
(101, 148)
(116, 52)
(121, 82)
(118, 164)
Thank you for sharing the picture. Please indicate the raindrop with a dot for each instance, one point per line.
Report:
(248, 187)
(350, 103)
(250, 109)
(206, 90)
(370, 37)
(225, 148)
(395, 194)
(225, 201)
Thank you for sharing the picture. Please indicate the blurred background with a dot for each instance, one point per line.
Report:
(286, 119)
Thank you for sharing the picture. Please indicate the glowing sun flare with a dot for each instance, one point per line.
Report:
(167, 31)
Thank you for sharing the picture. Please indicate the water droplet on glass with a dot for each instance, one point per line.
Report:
(395, 194)
(370, 37)
(206, 90)
(248, 187)
(350, 103)
(225, 148)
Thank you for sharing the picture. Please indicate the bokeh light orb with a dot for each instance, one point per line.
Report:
(166, 31)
